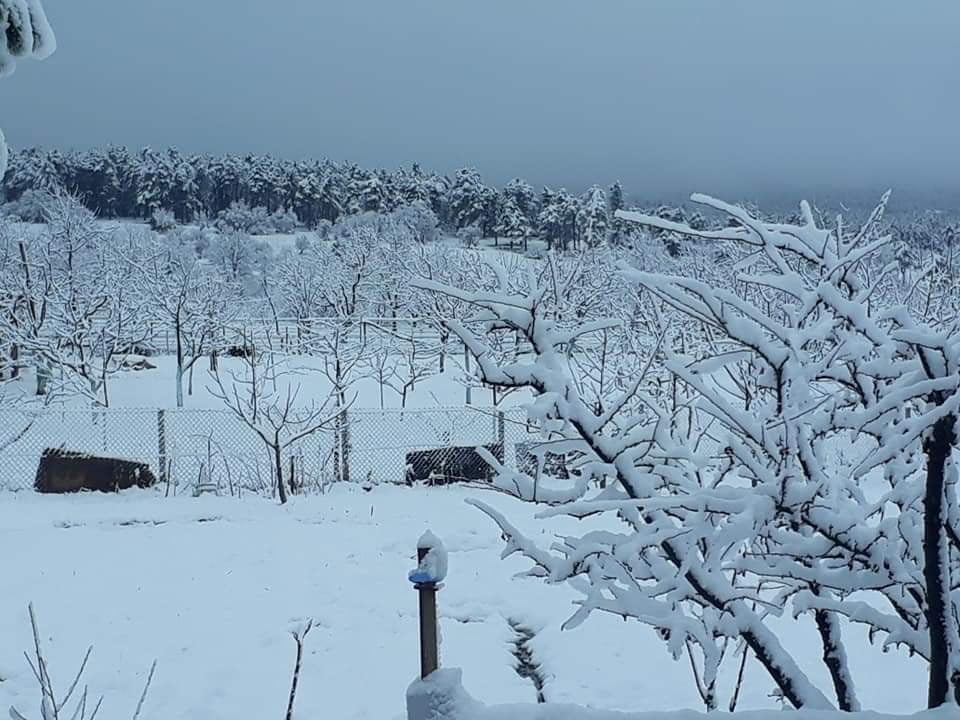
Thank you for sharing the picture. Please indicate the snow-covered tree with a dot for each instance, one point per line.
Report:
(834, 359)
(755, 489)
(419, 219)
(267, 395)
(192, 300)
(592, 217)
(93, 315)
(652, 572)
(468, 199)
(24, 33)
(523, 196)
(512, 223)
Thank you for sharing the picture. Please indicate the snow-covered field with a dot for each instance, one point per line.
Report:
(210, 587)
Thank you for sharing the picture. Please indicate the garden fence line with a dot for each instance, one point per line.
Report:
(190, 450)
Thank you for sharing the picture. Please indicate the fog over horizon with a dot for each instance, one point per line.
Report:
(743, 98)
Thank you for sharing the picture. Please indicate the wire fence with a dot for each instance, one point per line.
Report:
(193, 451)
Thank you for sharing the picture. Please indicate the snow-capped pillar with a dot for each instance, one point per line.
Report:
(427, 579)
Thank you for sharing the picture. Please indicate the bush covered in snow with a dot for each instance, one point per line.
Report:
(29, 207)
(469, 236)
(163, 221)
(776, 435)
(256, 220)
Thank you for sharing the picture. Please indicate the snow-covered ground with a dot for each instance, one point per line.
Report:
(211, 586)
(156, 388)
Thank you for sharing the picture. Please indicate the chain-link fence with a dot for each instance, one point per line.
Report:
(213, 450)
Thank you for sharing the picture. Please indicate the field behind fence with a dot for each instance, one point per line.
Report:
(187, 449)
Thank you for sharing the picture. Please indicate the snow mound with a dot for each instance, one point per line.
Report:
(433, 566)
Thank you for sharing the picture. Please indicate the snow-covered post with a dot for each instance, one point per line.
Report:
(427, 578)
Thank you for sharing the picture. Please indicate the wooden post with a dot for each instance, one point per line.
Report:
(429, 650)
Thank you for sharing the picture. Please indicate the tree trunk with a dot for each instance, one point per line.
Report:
(43, 376)
(936, 567)
(278, 469)
(179, 332)
(179, 385)
(835, 658)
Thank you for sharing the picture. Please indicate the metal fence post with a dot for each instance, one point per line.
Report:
(346, 445)
(466, 367)
(162, 445)
(502, 435)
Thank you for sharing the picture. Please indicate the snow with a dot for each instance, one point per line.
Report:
(209, 587)
(432, 567)
(442, 697)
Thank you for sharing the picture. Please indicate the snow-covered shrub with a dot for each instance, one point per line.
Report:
(420, 220)
(30, 207)
(284, 222)
(323, 229)
(469, 236)
(256, 221)
(163, 221)
(302, 244)
(240, 217)
(739, 451)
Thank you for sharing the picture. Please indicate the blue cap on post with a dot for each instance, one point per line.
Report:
(421, 577)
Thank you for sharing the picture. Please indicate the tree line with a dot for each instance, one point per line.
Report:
(117, 183)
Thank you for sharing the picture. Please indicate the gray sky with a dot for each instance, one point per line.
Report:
(722, 96)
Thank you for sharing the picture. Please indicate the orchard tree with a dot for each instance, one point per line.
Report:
(746, 493)
(192, 299)
(834, 358)
(266, 394)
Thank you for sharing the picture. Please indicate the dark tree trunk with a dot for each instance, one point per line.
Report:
(835, 658)
(278, 464)
(936, 568)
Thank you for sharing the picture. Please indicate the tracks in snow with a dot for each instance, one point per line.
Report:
(526, 665)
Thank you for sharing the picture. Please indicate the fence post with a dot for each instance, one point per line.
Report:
(502, 435)
(429, 651)
(346, 446)
(162, 446)
(466, 368)
(427, 578)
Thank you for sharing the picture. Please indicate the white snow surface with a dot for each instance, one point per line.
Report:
(210, 587)
(433, 565)
(443, 697)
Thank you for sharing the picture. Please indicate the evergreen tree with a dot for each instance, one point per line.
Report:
(523, 196)
(512, 222)
(615, 199)
(618, 230)
(469, 199)
(592, 220)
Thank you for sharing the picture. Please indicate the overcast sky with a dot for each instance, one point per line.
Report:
(670, 96)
